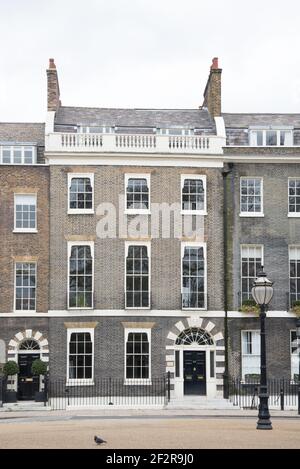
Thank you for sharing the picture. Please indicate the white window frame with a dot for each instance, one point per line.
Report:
(168, 131)
(137, 381)
(264, 130)
(253, 214)
(4, 146)
(292, 246)
(15, 287)
(138, 211)
(197, 177)
(148, 245)
(79, 211)
(70, 245)
(249, 246)
(294, 355)
(200, 245)
(25, 230)
(79, 381)
(105, 129)
(292, 214)
(243, 331)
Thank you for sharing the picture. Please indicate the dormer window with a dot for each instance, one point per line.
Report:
(176, 132)
(95, 129)
(271, 136)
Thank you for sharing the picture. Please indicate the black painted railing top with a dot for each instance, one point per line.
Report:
(283, 393)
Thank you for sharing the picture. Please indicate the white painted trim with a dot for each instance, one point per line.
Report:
(49, 124)
(185, 244)
(135, 211)
(78, 211)
(80, 381)
(253, 214)
(260, 246)
(287, 159)
(220, 127)
(25, 230)
(148, 246)
(81, 243)
(15, 286)
(137, 313)
(137, 381)
(198, 177)
(291, 214)
(115, 159)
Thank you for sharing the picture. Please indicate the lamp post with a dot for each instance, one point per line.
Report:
(298, 349)
(262, 293)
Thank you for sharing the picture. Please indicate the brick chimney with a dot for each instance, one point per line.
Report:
(53, 101)
(212, 92)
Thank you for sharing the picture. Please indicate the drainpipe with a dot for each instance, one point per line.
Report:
(225, 173)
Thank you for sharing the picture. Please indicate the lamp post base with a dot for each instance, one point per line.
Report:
(264, 421)
(263, 424)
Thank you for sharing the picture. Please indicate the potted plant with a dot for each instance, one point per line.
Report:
(296, 307)
(249, 306)
(10, 368)
(39, 368)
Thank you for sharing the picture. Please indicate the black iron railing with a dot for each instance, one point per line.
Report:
(283, 393)
(108, 392)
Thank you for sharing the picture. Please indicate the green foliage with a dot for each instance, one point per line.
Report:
(10, 368)
(249, 306)
(296, 307)
(38, 368)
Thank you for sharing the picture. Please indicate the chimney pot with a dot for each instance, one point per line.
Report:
(215, 63)
(51, 63)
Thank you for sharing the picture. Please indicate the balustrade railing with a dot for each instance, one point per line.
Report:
(145, 143)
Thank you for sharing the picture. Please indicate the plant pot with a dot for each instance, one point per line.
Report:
(39, 396)
(296, 310)
(10, 396)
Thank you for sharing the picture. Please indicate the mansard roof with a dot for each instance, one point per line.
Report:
(22, 132)
(240, 121)
(159, 118)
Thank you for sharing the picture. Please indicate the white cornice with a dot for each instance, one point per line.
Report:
(117, 159)
(144, 313)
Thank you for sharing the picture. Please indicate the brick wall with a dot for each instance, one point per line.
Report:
(23, 244)
(109, 253)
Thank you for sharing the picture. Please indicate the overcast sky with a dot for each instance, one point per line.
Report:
(149, 53)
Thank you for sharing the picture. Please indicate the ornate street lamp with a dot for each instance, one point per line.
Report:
(262, 293)
(298, 348)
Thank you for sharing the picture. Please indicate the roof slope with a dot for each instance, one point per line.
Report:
(159, 118)
(19, 132)
(245, 120)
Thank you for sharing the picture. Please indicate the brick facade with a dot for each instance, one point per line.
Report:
(15, 245)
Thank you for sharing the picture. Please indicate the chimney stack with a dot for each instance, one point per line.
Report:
(212, 92)
(53, 101)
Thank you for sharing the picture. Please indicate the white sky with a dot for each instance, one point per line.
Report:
(149, 53)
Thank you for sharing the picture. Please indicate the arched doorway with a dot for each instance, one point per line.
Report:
(195, 358)
(194, 343)
(28, 385)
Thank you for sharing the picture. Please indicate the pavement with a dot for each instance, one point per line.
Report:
(149, 433)
(159, 429)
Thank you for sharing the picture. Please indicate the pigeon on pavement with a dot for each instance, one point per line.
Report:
(99, 440)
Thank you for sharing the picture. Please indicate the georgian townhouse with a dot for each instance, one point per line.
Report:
(24, 253)
(263, 223)
(136, 304)
(130, 240)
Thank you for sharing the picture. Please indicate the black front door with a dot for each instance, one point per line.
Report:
(194, 371)
(27, 384)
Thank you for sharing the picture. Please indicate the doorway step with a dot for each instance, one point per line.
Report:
(23, 406)
(201, 402)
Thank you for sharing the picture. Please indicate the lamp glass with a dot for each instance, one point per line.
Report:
(262, 291)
